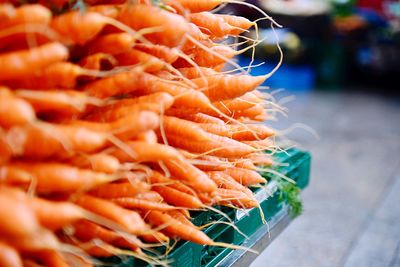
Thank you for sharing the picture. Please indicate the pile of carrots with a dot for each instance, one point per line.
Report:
(117, 118)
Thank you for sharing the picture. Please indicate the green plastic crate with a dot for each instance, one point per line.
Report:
(189, 254)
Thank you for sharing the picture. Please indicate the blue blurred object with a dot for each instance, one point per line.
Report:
(289, 77)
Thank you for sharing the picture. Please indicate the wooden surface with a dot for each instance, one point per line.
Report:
(352, 206)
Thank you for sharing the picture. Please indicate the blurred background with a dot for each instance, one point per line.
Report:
(342, 64)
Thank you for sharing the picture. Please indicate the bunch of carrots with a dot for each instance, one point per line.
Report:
(117, 118)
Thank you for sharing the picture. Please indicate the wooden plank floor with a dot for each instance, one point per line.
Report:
(352, 206)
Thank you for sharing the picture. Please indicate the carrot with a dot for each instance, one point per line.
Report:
(141, 204)
(53, 140)
(244, 176)
(127, 219)
(17, 217)
(22, 111)
(55, 215)
(162, 52)
(39, 240)
(185, 129)
(87, 231)
(109, 10)
(175, 228)
(54, 177)
(99, 162)
(7, 11)
(61, 102)
(194, 72)
(162, 98)
(218, 55)
(98, 61)
(113, 43)
(260, 144)
(177, 215)
(186, 172)
(150, 196)
(260, 159)
(239, 132)
(9, 256)
(133, 57)
(158, 178)
(236, 197)
(26, 14)
(195, 6)
(211, 24)
(120, 83)
(173, 27)
(59, 74)
(257, 113)
(79, 28)
(178, 198)
(146, 152)
(223, 180)
(234, 105)
(195, 116)
(118, 190)
(239, 24)
(149, 137)
(21, 63)
(227, 86)
(217, 145)
(125, 127)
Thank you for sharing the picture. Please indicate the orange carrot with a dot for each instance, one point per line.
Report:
(158, 178)
(239, 23)
(17, 217)
(113, 43)
(22, 63)
(147, 152)
(175, 228)
(211, 24)
(223, 180)
(177, 215)
(98, 61)
(141, 204)
(194, 72)
(228, 86)
(239, 132)
(99, 162)
(53, 140)
(22, 111)
(125, 127)
(186, 172)
(80, 27)
(195, 6)
(260, 144)
(194, 115)
(87, 231)
(164, 53)
(178, 198)
(26, 14)
(162, 98)
(172, 27)
(217, 145)
(148, 62)
(148, 137)
(55, 215)
(9, 256)
(186, 129)
(236, 197)
(128, 219)
(244, 176)
(126, 189)
(61, 102)
(54, 177)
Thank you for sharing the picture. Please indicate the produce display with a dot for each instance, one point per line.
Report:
(117, 120)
